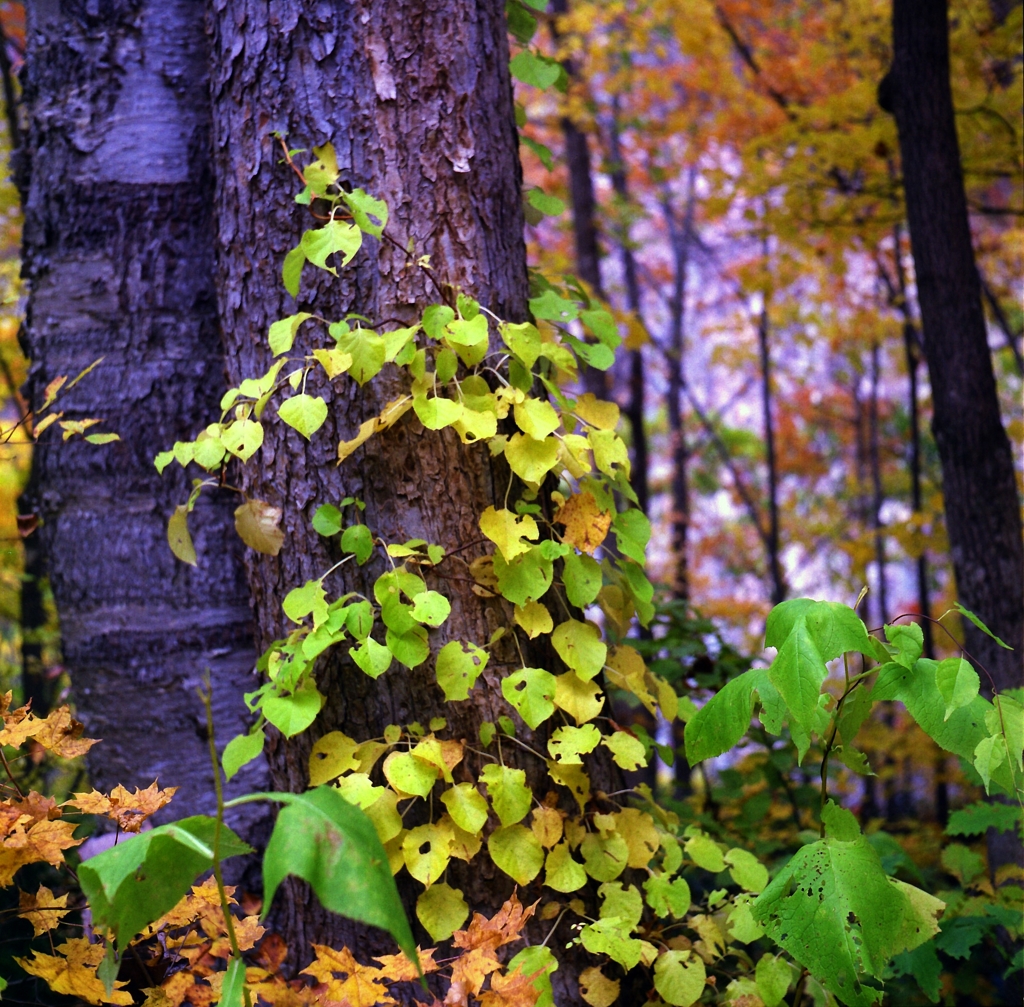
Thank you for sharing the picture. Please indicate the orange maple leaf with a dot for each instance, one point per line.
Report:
(515, 990)
(586, 525)
(361, 986)
(482, 938)
(28, 842)
(399, 969)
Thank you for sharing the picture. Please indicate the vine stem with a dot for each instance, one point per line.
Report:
(206, 695)
(831, 742)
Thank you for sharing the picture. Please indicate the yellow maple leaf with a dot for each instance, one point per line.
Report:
(73, 971)
(31, 843)
(361, 986)
(399, 969)
(586, 525)
(127, 809)
(43, 910)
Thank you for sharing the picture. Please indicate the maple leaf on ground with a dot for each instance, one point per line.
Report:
(399, 969)
(43, 910)
(586, 525)
(482, 938)
(127, 809)
(362, 985)
(515, 990)
(73, 971)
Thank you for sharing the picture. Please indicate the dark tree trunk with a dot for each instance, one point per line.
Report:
(877, 494)
(637, 384)
(680, 236)
(981, 500)
(417, 100)
(118, 254)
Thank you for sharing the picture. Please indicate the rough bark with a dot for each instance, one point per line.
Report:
(118, 254)
(771, 538)
(417, 100)
(979, 485)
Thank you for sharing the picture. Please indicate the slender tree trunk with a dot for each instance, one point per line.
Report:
(979, 484)
(772, 540)
(635, 410)
(118, 255)
(680, 237)
(417, 101)
(877, 495)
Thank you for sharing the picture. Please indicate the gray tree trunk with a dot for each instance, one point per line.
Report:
(417, 100)
(118, 254)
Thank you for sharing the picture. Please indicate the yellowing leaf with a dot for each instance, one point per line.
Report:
(510, 796)
(573, 777)
(442, 910)
(627, 751)
(128, 809)
(516, 851)
(257, 525)
(609, 451)
(586, 524)
(597, 989)
(534, 618)
(547, 825)
(568, 744)
(562, 873)
(642, 838)
(389, 415)
(596, 412)
(579, 644)
(531, 460)
(581, 700)
(178, 537)
(426, 850)
(467, 806)
(536, 418)
(304, 413)
(332, 755)
(507, 531)
(409, 775)
(679, 977)
(704, 852)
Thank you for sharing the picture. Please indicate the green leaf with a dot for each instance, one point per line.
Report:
(358, 539)
(668, 896)
(178, 537)
(836, 630)
(436, 413)
(720, 723)
(291, 270)
(370, 214)
(544, 153)
(605, 855)
(359, 619)
(553, 308)
(282, 332)
(989, 754)
(442, 910)
(582, 578)
(516, 851)
(977, 622)
(431, 608)
(141, 878)
(107, 438)
(632, 533)
(232, 990)
(467, 806)
(774, 977)
(410, 775)
(305, 413)
(526, 578)
(746, 870)
(371, 657)
(367, 349)
(679, 977)
(782, 619)
(579, 644)
(567, 744)
(308, 599)
(531, 691)
(963, 863)
(535, 70)
(606, 937)
(292, 714)
(458, 667)
(327, 521)
(621, 902)
(908, 639)
(562, 873)
(550, 206)
(240, 751)
(411, 648)
(976, 819)
(835, 911)
(798, 673)
(335, 236)
(524, 340)
(704, 852)
(333, 846)
(957, 682)
(627, 751)
(510, 796)
(467, 332)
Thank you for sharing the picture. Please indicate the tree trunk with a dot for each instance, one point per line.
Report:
(417, 101)
(877, 495)
(979, 485)
(118, 254)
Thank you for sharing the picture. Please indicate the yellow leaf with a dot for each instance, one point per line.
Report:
(332, 755)
(389, 415)
(547, 825)
(73, 971)
(178, 537)
(534, 618)
(361, 985)
(581, 700)
(128, 809)
(42, 910)
(257, 525)
(586, 525)
(597, 989)
(507, 531)
(596, 412)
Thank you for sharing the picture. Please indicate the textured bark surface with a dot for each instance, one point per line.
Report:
(979, 485)
(417, 100)
(118, 253)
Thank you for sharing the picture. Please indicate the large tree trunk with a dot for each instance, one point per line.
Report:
(118, 253)
(417, 101)
(979, 485)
